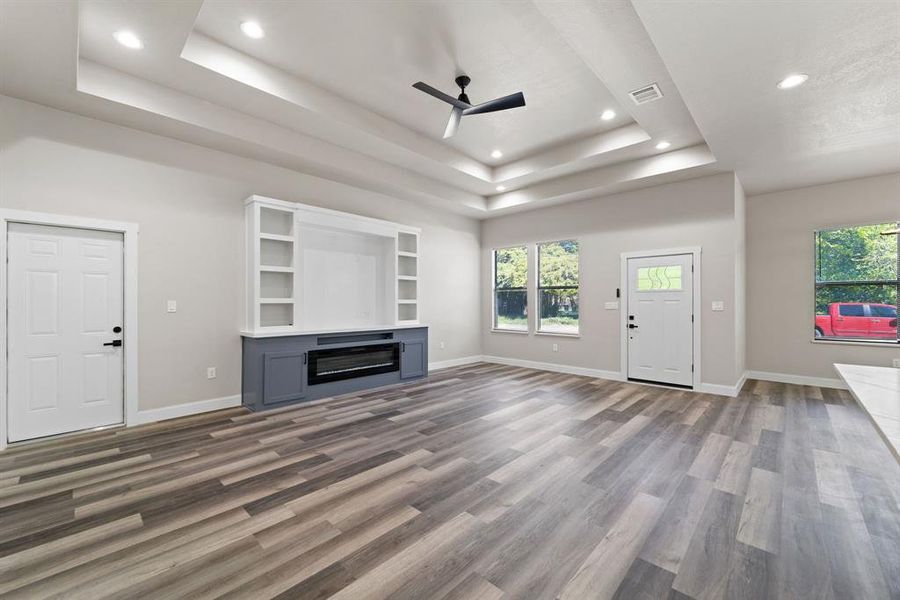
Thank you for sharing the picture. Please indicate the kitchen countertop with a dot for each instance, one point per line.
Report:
(877, 390)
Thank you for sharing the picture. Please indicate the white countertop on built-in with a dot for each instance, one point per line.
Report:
(877, 389)
(289, 332)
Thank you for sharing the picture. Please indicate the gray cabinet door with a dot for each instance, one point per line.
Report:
(413, 358)
(284, 376)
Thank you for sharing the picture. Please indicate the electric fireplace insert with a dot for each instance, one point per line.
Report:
(335, 364)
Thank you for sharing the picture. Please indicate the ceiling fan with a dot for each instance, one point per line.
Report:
(462, 106)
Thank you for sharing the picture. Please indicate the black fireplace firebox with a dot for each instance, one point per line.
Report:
(335, 364)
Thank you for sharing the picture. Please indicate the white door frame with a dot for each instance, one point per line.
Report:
(129, 232)
(623, 299)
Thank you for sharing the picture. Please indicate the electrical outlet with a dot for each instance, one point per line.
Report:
(556, 347)
(210, 372)
(171, 306)
(897, 362)
(442, 345)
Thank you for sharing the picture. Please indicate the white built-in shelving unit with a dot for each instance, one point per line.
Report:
(313, 269)
(271, 262)
(407, 277)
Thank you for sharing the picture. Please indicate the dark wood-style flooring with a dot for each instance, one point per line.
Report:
(483, 482)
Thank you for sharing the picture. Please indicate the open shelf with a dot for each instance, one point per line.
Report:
(274, 237)
(276, 253)
(276, 315)
(276, 300)
(276, 284)
(271, 269)
(407, 243)
(406, 290)
(407, 312)
(276, 222)
(408, 254)
(407, 266)
(407, 278)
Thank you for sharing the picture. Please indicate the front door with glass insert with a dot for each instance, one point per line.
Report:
(659, 321)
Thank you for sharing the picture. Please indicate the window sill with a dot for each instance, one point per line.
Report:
(558, 334)
(893, 345)
(516, 331)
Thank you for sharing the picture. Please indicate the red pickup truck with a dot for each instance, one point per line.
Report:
(858, 320)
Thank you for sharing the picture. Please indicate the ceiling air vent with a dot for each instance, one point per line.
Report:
(646, 94)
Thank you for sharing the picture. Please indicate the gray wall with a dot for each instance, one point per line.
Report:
(188, 202)
(740, 279)
(780, 272)
(699, 212)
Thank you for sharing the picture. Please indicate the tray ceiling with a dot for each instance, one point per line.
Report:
(328, 91)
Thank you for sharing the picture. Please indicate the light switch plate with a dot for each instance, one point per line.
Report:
(718, 305)
(171, 306)
(210, 372)
(611, 306)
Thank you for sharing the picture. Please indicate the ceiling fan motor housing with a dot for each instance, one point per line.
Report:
(462, 81)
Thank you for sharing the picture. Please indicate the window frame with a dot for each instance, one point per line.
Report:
(539, 288)
(495, 325)
(816, 285)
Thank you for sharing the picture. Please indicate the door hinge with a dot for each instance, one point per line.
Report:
(692, 318)
(692, 368)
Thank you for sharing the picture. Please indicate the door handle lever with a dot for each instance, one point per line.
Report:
(115, 343)
(632, 326)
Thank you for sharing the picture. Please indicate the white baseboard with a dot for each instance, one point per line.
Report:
(740, 384)
(825, 382)
(183, 410)
(454, 362)
(557, 368)
(706, 388)
(724, 390)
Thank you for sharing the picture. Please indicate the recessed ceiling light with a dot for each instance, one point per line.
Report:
(252, 29)
(501, 188)
(792, 81)
(128, 39)
(663, 145)
(496, 154)
(608, 115)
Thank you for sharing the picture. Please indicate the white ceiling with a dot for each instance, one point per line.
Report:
(372, 52)
(328, 90)
(727, 58)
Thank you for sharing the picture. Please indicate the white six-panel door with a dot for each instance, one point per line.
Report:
(65, 289)
(659, 321)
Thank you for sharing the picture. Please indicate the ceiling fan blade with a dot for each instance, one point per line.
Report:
(453, 124)
(512, 101)
(424, 87)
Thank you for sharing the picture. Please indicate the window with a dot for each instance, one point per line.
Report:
(883, 311)
(558, 287)
(857, 282)
(511, 288)
(851, 310)
(655, 279)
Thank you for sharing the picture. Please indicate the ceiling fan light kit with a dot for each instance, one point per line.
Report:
(463, 107)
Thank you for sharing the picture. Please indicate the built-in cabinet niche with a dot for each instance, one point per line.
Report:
(314, 269)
